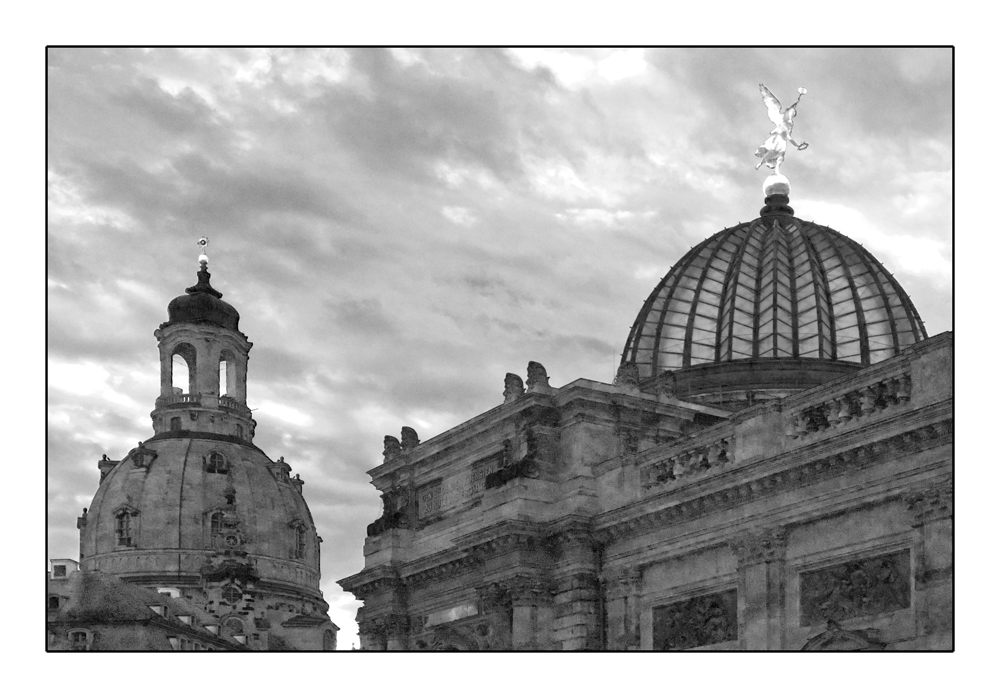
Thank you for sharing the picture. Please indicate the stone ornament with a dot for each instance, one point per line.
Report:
(695, 622)
(513, 387)
(627, 376)
(390, 448)
(933, 502)
(854, 589)
(409, 438)
(760, 546)
(538, 379)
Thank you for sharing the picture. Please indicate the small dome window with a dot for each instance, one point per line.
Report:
(215, 462)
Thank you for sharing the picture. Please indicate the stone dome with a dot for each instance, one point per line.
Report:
(198, 503)
(776, 303)
(202, 303)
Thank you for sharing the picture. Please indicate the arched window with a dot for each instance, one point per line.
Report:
(175, 424)
(216, 463)
(182, 368)
(233, 626)
(123, 528)
(216, 523)
(239, 431)
(227, 373)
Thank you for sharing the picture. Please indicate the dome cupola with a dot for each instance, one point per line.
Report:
(202, 303)
(775, 305)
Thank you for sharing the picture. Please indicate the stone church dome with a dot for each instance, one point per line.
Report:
(775, 304)
(191, 503)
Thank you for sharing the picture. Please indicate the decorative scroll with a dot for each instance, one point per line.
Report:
(857, 588)
(703, 620)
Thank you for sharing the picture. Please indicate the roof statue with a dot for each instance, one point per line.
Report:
(772, 152)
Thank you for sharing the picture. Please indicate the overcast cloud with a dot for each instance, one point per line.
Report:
(400, 228)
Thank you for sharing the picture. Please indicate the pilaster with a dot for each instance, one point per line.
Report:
(622, 594)
(932, 510)
(762, 588)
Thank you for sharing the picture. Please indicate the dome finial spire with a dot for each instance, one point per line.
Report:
(203, 257)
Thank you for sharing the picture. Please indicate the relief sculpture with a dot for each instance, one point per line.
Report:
(703, 620)
(857, 588)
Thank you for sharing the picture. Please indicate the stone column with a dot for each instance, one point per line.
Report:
(932, 508)
(531, 606)
(762, 589)
(577, 623)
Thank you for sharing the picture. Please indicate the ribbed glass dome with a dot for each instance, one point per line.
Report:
(775, 288)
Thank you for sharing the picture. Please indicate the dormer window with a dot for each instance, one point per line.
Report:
(215, 462)
(159, 610)
(58, 570)
(186, 620)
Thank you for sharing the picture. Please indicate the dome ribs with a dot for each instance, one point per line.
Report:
(820, 273)
(862, 325)
(776, 304)
(698, 301)
(683, 266)
(758, 275)
(729, 288)
(885, 298)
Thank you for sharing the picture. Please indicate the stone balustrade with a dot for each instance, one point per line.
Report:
(852, 403)
(690, 459)
(179, 398)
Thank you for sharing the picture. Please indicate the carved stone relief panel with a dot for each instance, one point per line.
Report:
(856, 588)
(702, 620)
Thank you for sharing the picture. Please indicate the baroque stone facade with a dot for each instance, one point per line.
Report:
(198, 510)
(789, 500)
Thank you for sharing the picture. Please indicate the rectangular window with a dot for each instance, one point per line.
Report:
(58, 570)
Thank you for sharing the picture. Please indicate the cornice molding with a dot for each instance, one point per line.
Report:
(636, 519)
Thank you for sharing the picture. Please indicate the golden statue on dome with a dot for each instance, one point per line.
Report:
(772, 152)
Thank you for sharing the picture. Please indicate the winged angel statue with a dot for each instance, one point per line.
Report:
(772, 153)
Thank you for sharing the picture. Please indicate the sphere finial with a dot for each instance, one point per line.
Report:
(203, 245)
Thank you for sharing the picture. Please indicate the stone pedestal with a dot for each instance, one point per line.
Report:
(762, 589)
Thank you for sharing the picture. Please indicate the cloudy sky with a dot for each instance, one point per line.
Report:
(400, 228)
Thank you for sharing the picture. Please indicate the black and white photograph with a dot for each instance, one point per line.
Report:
(604, 349)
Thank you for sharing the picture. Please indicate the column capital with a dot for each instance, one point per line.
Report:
(931, 502)
(759, 546)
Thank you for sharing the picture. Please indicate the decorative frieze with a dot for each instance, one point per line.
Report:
(821, 468)
(854, 405)
(857, 588)
(696, 622)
